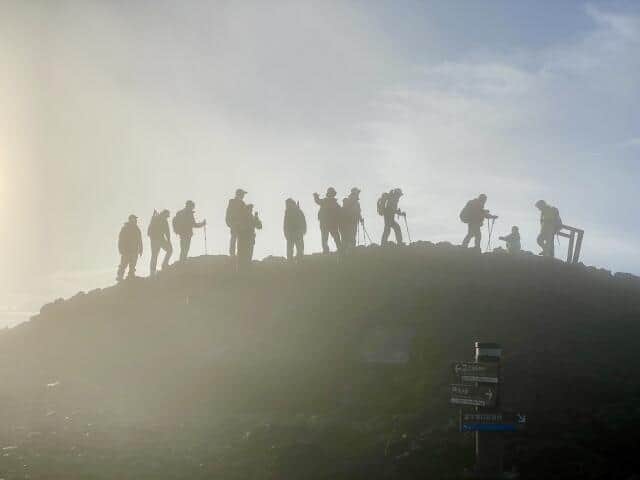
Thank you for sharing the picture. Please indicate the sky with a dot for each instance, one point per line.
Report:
(118, 107)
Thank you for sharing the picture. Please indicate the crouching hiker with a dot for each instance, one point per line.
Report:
(295, 228)
(513, 241)
(130, 248)
(247, 225)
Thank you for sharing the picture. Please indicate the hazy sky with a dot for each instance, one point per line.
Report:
(117, 107)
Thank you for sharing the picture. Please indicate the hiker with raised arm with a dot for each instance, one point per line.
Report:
(248, 222)
(512, 241)
(474, 215)
(388, 207)
(235, 210)
(550, 225)
(351, 218)
(183, 224)
(329, 217)
(160, 236)
(130, 248)
(295, 228)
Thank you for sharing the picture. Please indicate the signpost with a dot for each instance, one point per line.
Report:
(478, 387)
(473, 395)
(477, 372)
(492, 422)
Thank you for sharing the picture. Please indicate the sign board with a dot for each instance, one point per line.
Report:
(476, 372)
(492, 422)
(473, 395)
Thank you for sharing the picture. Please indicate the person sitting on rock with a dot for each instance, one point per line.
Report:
(512, 240)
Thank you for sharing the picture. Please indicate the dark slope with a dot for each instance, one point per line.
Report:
(279, 351)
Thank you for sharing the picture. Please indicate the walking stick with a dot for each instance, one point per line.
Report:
(364, 229)
(490, 227)
(406, 226)
(206, 250)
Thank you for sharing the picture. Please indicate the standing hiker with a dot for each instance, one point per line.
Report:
(160, 236)
(351, 218)
(512, 240)
(329, 216)
(130, 248)
(235, 211)
(474, 214)
(183, 224)
(295, 228)
(246, 231)
(388, 207)
(550, 225)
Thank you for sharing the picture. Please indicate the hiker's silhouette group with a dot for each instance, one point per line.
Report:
(342, 223)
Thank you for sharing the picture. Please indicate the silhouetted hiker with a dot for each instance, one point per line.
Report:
(235, 210)
(295, 228)
(246, 231)
(130, 247)
(512, 240)
(550, 224)
(388, 208)
(160, 236)
(183, 224)
(329, 216)
(351, 218)
(474, 214)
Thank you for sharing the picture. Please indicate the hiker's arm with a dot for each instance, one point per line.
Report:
(201, 224)
(316, 197)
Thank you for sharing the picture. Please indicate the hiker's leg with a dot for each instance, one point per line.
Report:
(155, 249)
(233, 240)
(133, 261)
(167, 256)
(300, 247)
(289, 248)
(477, 236)
(324, 233)
(335, 234)
(121, 267)
(398, 231)
(387, 231)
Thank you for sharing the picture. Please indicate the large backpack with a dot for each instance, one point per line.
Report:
(554, 219)
(382, 204)
(465, 213)
(179, 223)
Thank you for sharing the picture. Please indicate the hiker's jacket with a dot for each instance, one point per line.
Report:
(130, 240)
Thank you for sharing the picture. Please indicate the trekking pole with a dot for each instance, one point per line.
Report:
(490, 227)
(366, 233)
(206, 250)
(406, 226)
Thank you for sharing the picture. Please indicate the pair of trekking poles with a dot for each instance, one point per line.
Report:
(366, 237)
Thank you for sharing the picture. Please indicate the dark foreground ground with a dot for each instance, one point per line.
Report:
(334, 369)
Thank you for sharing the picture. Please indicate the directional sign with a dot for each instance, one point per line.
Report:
(473, 395)
(492, 422)
(476, 372)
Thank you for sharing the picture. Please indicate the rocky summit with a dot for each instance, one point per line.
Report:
(335, 368)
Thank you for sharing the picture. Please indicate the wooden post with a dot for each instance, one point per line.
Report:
(572, 238)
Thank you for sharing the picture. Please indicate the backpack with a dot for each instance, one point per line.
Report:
(554, 219)
(465, 213)
(382, 203)
(179, 223)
